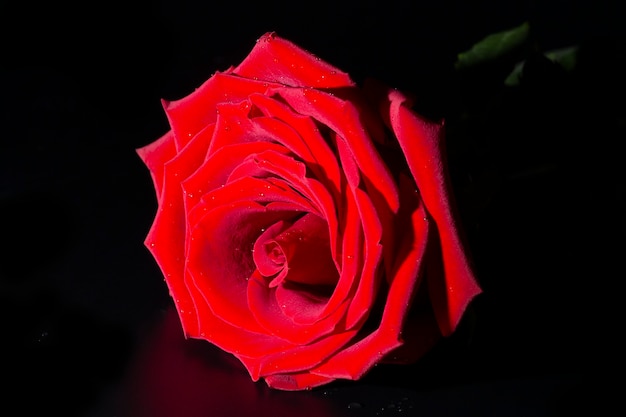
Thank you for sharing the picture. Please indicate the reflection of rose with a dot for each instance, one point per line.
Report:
(172, 378)
(299, 215)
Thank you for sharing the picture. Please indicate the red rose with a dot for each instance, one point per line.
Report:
(304, 223)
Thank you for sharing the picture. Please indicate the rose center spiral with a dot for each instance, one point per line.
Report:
(296, 252)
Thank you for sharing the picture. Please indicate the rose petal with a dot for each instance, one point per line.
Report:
(233, 126)
(277, 60)
(215, 170)
(423, 146)
(265, 192)
(296, 382)
(303, 357)
(300, 135)
(354, 361)
(192, 113)
(350, 257)
(170, 226)
(371, 274)
(268, 313)
(155, 155)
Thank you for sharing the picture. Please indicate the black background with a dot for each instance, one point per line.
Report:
(538, 172)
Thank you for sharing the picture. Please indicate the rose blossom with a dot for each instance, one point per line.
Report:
(306, 224)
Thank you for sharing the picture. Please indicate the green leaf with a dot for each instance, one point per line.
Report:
(565, 57)
(515, 76)
(493, 46)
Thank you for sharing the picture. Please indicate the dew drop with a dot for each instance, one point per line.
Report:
(42, 336)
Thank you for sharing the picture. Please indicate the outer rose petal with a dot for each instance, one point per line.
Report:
(296, 382)
(423, 147)
(166, 239)
(155, 155)
(278, 60)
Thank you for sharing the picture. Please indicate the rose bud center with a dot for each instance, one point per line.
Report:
(296, 252)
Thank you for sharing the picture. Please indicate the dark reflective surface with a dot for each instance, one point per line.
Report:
(172, 376)
(85, 315)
